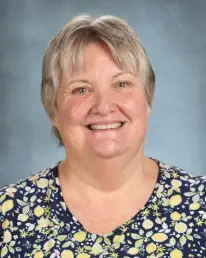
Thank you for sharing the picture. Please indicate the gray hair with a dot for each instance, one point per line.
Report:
(66, 51)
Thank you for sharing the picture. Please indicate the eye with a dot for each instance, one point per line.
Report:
(79, 91)
(123, 84)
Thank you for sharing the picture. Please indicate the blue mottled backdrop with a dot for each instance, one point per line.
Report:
(174, 34)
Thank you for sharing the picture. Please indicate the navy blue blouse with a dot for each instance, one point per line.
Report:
(35, 221)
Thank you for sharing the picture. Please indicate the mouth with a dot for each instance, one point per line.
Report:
(104, 127)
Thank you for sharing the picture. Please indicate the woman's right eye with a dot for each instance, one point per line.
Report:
(79, 91)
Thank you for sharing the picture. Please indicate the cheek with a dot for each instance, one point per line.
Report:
(73, 111)
(135, 104)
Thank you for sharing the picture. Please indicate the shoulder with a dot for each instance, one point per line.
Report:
(23, 192)
(181, 186)
(180, 177)
(182, 197)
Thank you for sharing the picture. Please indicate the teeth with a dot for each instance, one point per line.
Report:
(102, 127)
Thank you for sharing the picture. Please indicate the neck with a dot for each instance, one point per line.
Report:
(107, 178)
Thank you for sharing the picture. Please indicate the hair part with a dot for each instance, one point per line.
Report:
(65, 54)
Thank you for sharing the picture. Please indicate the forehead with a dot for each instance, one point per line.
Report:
(99, 54)
(97, 58)
(95, 52)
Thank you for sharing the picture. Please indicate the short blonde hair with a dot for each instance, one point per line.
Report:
(66, 51)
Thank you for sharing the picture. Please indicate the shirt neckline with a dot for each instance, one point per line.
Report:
(68, 214)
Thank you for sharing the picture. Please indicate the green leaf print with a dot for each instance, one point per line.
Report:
(172, 241)
(62, 237)
(4, 251)
(136, 236)
(139, 242)
(183, 240)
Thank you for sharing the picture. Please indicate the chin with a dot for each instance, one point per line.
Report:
(108, 150)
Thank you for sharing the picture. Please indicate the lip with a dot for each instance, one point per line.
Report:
(105, 122)
(106, 129)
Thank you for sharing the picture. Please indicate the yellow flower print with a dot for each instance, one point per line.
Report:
(174, 174)
(147, 224)
(150, 248)
(180, 227)
(38, 211)
(155, 207)
(176, 183)
(176, 254)
(114, 255)
(157, 214)
(80, 249)
(159, 237)
(67, 254)
(194, 206)
(175, 200)
(23, 217)
(7, 206)
(80, 236)
(5, 224)
(25, 234)
(7, 236)
(199, 221)
(160, 249)
(42, 183)
(146, 212)
(39, 255)
(123, 228)
(175, 216)
(47, 210)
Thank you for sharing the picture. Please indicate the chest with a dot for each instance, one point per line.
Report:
(140, 239)
(102, 220)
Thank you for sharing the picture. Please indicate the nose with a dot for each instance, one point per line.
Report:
(103, 103)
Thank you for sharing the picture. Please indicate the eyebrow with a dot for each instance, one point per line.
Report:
(87, 81)
(121, 73)
(78, 80)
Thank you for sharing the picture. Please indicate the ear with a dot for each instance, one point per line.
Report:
(149, 110)
(54, 120)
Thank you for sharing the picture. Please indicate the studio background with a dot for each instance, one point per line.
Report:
(174, 35)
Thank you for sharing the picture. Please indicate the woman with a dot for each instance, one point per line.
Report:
(106, 199)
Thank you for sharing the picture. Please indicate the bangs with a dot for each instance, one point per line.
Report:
(72, 56)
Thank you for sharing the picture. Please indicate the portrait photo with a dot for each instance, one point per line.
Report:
(102, 129)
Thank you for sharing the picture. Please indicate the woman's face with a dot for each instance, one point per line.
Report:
(96, 97)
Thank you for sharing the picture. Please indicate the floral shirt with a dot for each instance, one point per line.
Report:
(35, 221)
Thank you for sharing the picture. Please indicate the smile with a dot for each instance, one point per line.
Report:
(106, 126)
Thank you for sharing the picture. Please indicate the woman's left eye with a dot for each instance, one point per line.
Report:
(123, 84)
